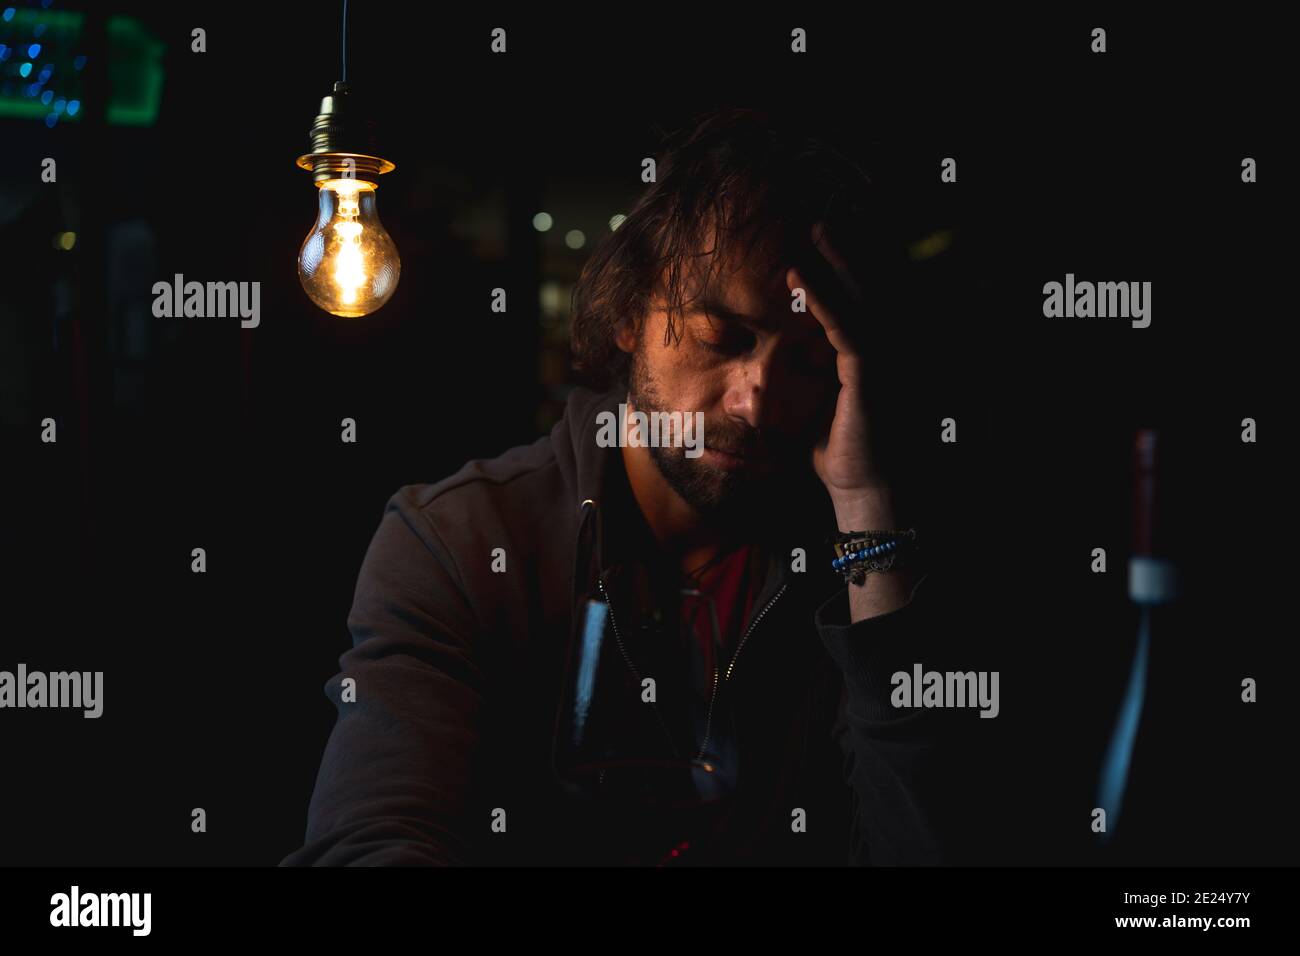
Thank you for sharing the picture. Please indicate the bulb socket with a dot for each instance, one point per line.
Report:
(343, 141)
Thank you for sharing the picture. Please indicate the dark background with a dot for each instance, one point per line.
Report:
(183, 433)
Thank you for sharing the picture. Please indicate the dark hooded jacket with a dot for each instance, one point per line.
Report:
(444, 747)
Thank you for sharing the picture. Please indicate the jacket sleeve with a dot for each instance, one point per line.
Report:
(395, 776)
(921, 779)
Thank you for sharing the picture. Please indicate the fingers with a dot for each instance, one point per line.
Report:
(846, 351)
(827, 274)
(822, 242)
(822, 311)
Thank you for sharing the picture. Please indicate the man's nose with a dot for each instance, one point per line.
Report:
(748, 396)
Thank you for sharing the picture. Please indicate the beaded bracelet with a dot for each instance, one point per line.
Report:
(858, 553)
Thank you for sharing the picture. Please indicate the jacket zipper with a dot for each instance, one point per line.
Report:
(708, 720)
(627, 659)
(617, 635)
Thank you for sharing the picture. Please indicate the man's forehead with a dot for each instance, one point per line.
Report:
(749, 279)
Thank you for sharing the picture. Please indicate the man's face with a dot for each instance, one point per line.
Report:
(762, 374)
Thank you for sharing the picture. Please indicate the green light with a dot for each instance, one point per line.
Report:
(135, 73)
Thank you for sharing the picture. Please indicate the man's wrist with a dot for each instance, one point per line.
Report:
(873, 510)
(867, 509)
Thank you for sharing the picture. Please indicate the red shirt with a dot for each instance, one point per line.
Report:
(728, 584)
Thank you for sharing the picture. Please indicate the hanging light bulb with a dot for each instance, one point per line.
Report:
(348, 264)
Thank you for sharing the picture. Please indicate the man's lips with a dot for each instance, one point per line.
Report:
(737, 458)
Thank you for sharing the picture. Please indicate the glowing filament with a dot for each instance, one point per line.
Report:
(349, 267)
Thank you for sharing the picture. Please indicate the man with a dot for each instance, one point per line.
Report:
(738, 292)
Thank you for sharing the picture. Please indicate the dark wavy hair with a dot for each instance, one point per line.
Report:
(719, 182)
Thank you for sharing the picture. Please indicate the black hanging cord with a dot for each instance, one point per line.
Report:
(344, 78)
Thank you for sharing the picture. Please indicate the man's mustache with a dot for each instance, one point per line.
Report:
(733, 439)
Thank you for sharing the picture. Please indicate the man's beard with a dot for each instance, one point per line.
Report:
(731, 496)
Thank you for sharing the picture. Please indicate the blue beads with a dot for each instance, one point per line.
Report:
(852, 557)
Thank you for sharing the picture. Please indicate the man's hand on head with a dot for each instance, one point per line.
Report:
(843, 458)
